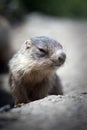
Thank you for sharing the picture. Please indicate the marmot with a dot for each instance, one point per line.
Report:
(33, 69)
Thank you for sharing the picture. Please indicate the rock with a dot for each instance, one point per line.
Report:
(53, 112)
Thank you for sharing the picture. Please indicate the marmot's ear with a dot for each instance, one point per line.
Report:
(28, 43)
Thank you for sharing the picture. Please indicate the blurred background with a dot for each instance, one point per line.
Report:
(63, 20)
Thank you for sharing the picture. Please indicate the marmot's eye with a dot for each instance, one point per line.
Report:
(42, 50)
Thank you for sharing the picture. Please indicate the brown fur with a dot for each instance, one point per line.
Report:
(33, 70)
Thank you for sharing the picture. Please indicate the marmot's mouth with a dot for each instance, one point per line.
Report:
(58, 63)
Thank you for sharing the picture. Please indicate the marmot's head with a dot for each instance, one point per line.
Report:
(43, 53)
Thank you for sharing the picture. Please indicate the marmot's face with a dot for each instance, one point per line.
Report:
(46, 53)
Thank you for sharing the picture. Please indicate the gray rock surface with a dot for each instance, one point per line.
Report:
(51, 113)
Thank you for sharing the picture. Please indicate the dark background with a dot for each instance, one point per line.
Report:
(15, 9)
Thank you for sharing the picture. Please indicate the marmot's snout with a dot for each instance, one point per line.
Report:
(59, 58)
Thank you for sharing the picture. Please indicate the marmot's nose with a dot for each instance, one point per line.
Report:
(61, 58)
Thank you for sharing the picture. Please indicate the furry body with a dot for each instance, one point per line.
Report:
(33, 69)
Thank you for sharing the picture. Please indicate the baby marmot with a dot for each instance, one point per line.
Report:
(33, 69)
